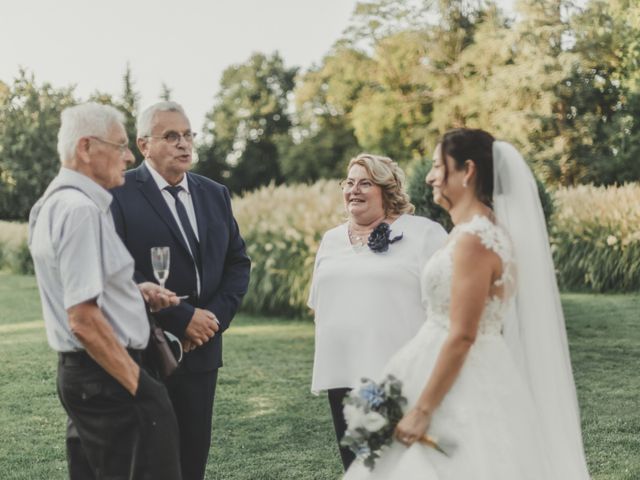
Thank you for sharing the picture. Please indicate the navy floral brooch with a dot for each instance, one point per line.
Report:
(380, 238)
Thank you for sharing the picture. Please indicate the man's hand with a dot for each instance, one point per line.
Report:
(89, 325)
(202, 327)
(157, 297)
(187, 345)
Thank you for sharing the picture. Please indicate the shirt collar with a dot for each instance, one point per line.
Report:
(161, 182)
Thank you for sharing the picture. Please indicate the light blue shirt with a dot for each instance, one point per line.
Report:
(79, 257)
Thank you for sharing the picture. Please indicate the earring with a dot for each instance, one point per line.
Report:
(464, 184)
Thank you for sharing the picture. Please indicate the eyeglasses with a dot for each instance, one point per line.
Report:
(122, 147)
(349, 185)
(172, 138)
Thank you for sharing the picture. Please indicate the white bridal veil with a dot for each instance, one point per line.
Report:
(535, 329)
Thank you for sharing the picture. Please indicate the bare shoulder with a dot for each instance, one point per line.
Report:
(472, 252)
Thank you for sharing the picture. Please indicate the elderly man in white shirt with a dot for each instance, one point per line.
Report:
(121, 421)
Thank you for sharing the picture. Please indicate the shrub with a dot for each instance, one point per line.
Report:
(422, 194)
(596, 237)
(21, 261)
(283, 227)
(3, 255)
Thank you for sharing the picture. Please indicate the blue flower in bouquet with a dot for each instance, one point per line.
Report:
(372, 412)
(363, 452)
(373, 394)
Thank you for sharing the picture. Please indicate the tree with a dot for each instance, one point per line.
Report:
(128, 104)
(602, 95)
(29, 124)
(165, 92)
(324, 154)
(323, 134)
(248, 122)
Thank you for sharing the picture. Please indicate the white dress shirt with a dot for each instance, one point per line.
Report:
(185, 197)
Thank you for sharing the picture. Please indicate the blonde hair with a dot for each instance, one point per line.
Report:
(390, 178)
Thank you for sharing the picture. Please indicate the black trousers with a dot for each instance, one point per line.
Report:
(112, 434)
(192, 396)
(336, 395)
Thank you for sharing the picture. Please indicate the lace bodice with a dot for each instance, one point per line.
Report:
(437, 276)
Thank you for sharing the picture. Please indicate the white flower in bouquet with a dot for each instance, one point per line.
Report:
(373, 421)
(372, 412)
(354, 416)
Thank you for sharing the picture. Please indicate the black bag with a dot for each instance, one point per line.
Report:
(164, 351)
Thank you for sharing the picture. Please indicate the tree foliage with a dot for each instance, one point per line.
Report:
(29, 124)
(560, 82)
(247, 123)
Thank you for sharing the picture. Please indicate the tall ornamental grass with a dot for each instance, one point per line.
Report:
(12, 234)
(282, 227)
(595, 237)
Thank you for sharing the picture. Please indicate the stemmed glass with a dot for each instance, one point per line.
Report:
(160, 263)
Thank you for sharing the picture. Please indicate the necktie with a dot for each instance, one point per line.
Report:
(186, 225)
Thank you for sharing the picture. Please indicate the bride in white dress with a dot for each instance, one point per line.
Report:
(489, 371)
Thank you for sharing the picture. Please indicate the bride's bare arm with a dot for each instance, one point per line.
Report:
(474, 268)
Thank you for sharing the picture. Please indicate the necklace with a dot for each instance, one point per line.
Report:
(358, 239)
(361, 238)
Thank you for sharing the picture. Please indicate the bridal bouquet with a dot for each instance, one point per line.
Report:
(372, 411)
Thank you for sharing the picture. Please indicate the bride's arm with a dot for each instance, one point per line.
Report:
(474, 267)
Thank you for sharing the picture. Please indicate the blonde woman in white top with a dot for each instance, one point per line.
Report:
(366, 284)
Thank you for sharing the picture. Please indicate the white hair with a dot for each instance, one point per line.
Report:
(85, 120)
(144, 124)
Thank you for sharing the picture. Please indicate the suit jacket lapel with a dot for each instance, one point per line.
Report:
(198, 199)
(152, 193)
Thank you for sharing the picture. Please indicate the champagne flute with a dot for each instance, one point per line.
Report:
(160, 264)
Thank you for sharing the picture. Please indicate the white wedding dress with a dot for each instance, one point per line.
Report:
(489, 413)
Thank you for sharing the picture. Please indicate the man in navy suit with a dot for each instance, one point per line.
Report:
(162, 204)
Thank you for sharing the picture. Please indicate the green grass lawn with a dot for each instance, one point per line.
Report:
(266, 423)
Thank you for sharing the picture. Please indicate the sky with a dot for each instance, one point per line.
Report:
(185, 44)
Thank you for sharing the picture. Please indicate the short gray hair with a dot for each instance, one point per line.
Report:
(85, 120)
(145, 119)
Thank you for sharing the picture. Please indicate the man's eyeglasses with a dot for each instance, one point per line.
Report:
(173, 138)
(349, 185)
(122, 147)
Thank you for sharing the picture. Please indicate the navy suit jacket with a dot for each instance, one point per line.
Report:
(143, 220)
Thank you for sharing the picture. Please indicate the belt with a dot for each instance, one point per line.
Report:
(81, 357)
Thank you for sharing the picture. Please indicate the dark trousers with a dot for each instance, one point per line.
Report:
(336, 395)
(112, 434)
(192, 396)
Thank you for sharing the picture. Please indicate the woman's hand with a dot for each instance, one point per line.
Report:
(412, 426)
